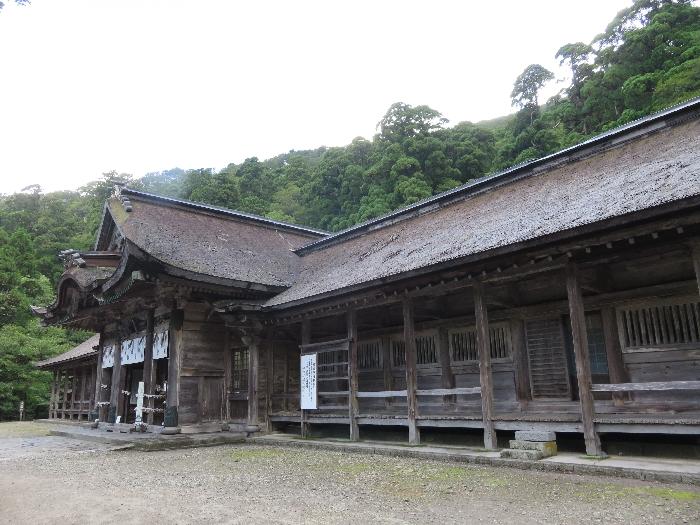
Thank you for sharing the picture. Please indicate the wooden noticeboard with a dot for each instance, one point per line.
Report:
(309, 382)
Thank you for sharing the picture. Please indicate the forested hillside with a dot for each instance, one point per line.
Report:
(648, 58)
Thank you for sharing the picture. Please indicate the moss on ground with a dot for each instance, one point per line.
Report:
(15, 429)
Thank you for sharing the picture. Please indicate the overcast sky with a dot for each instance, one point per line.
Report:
(88, 86)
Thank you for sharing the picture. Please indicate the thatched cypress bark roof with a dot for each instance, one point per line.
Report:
(646, 165)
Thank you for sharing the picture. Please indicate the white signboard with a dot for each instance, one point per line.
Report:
(108, 356)
(133, 350)
(308, 382)
(160, 344)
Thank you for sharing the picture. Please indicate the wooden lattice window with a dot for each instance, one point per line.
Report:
(369, 355)
(239, 372)
(398, 353)
(659, 324)
(463, 343)
(426, 350)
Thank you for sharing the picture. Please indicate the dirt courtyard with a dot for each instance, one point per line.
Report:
(260, 484)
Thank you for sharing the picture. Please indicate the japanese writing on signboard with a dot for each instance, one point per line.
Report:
(308, 382)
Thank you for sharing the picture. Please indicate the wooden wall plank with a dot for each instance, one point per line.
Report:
(446, 375)
(616, 364)
(521, 372)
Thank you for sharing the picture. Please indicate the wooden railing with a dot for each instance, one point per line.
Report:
(646, 387)
(432, 392)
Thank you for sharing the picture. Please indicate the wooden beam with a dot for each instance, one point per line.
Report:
(353, 383)
(446, 375)
(520, 363)
(583, 367)
(616, 364)
(483, 345)
(305, 340)
(149, 370)
(409, 336)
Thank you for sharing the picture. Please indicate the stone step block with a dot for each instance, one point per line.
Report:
(548, 448)
(531, 455)
(535, 435)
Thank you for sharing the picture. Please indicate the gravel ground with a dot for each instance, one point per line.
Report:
(260, 484)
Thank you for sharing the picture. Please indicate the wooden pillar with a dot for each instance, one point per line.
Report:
(285, 377)
(91, 391)
(616, 363)
(483, 344)
(149, 370)
(695, 254)
(228, 373)
(64, 392)
(52, 398)
(73, 393)
(446, 375)
(583, 367)
(99, 371)
(174, 357)
(386, 368)
(520, 362)
(353, 380)
(269, 378)
(305, 340)
(409, 336)
(253, 344)
(83, 391)
(116, 391)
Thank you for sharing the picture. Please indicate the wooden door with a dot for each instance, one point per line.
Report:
(546, 350)
(238, 393)
(211, 395)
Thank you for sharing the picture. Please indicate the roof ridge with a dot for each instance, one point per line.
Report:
(224, 211)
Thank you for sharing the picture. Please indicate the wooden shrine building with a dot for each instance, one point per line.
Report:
(561, 294)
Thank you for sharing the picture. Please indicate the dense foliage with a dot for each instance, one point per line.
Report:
(648, 58)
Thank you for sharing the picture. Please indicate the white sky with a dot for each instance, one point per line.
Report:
(88, 86)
